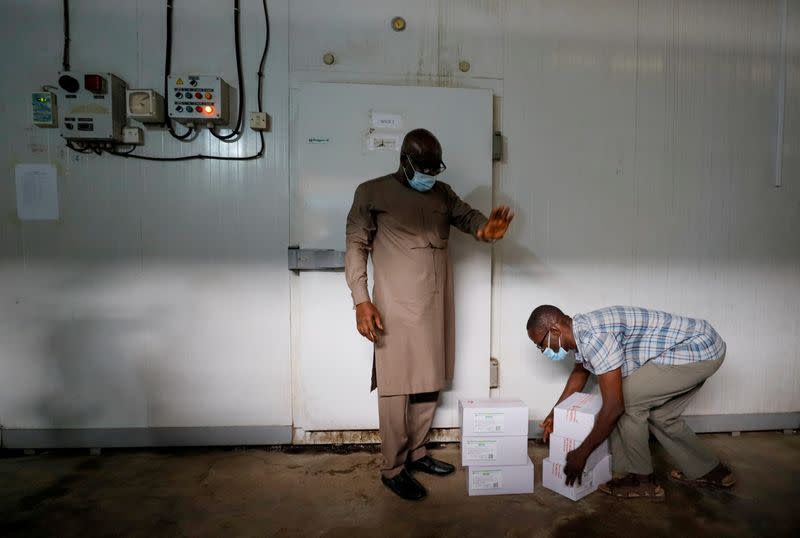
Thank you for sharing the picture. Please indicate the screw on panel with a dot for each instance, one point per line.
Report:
(328, 58)
(464, 66)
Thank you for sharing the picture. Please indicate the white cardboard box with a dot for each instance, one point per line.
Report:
(486, 416)
(553, 478)
(560, 446)
(494, 450)
(500, 479)
(574, 417)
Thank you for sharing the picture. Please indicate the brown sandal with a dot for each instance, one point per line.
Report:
(720, 476)
(630, 487)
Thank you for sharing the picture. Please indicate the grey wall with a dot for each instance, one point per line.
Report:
(640, 140)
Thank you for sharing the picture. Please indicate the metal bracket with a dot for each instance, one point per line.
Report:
(497, 146)
(315, 259)
(494, 373)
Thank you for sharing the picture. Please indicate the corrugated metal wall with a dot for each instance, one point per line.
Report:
(160, 298)
(640, 141)
(641, 149)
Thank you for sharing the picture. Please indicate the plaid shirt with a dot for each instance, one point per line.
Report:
(627, 337)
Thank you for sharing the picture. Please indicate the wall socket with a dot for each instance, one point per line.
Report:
(259, 121)
(132, 135)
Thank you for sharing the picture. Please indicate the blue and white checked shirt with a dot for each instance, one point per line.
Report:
(627, 337)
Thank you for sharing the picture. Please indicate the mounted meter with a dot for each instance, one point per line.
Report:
(146, 106)
(198, 99)
(43, 106)
(92, 106)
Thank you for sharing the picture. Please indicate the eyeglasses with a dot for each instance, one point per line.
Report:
(430, 169)
(540, 345)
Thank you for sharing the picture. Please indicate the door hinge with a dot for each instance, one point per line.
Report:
(494, 373)
(497, 146)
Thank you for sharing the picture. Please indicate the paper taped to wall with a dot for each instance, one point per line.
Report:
(37, 191)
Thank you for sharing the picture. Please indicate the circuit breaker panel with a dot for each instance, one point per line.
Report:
(198, 99)
(91, 107)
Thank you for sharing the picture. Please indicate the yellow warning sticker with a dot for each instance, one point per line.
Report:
(179, 82)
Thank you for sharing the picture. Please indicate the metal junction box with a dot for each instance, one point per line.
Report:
(91, 106)
(198, 99)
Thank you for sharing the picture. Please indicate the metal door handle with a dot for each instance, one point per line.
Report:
(315, 259)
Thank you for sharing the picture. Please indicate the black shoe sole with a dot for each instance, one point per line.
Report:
(399, 494)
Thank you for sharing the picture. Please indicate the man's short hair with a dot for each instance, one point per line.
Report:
(543, 317)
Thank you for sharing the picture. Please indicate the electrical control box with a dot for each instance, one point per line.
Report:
(92, 106)
(44, 110)
(198, 99)
(146, 106)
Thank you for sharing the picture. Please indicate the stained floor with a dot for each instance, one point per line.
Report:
(334, 492)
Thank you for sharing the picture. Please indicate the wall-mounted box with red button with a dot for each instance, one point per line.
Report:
(91, 106)
(198, 100)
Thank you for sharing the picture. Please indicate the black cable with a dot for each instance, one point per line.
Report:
(167, 69)
(79, 150)
(259, 154)
(200, 156)
(263, 59)
(65, 59)
(236, 132)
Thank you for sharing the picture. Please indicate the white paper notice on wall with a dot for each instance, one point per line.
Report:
(383, 141)
(382, 120)
(37, 191)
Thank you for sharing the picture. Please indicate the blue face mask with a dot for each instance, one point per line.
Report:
(421, 182)
(553, 355)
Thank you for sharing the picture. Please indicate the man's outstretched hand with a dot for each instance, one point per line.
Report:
(368, 321)
(498, 223)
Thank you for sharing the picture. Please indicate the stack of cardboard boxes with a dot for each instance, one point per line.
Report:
(573, 420)
(494, 446)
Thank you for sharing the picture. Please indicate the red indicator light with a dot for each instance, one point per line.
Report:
(94, 83)
(198, 108)
(198, 95)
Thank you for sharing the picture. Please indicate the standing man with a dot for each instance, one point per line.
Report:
(403, 219)
(649, 365)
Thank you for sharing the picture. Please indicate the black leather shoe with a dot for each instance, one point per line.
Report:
(427, 464)
(404, 485)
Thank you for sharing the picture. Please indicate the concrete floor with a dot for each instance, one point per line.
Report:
(334, 492)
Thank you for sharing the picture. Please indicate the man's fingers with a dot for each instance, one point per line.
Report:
(373, 330)
(365, 332)
(378, 321)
